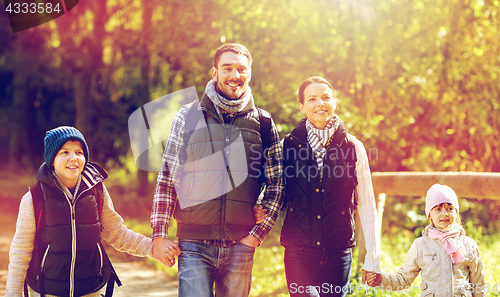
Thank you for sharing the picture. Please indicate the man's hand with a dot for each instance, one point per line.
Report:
(259, 213)
(250, 241)
(165, 250)
(371, 278)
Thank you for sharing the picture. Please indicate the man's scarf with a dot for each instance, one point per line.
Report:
(229, 105)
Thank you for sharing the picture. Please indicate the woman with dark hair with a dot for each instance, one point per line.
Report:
(327, 178)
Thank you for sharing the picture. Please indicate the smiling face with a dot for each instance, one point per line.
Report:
(233, 73)
(319, 104)
(69, 162)
(443, 216)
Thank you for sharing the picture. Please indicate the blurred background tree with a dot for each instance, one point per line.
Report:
(417, 80)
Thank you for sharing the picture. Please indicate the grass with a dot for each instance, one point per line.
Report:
(489, 247)
(268, 276)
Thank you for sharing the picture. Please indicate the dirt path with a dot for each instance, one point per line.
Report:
(138, 279)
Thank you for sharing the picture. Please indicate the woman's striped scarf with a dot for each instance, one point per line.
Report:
(319, 139)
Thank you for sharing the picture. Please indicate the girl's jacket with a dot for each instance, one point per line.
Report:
(440, 277)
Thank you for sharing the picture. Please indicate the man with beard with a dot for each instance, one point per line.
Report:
(210, 182)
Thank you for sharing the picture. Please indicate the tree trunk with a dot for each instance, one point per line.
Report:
(83, 104)
(20, 150)
(87, 75)
(143, 187)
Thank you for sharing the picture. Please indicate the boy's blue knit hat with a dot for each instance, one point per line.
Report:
(56, 138)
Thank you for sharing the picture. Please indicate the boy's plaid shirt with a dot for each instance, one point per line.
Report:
(165, 196)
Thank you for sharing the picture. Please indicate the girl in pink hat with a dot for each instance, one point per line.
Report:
(448, 261)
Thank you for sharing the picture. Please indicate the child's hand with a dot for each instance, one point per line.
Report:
(373, 279)
(259, 214)
(172, 251)
(165, 250)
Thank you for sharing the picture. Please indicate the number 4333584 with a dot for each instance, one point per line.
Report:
(32, 8)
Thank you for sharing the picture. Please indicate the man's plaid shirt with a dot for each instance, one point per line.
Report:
(165, 197)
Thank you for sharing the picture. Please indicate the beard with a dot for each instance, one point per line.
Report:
(229, 92)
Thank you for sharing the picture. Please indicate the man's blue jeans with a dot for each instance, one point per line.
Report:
(202, 265)
(316, 271)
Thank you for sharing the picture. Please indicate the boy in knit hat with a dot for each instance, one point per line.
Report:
(449, 261)
(61, 254)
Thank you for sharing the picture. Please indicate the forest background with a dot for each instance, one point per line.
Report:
(417, 81)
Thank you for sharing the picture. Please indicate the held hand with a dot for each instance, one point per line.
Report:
(259, 213)
(363, 279)
(165, 250)
(374, 279)
(250, 241)
(371, 278)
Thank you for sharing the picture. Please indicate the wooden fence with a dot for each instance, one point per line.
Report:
(466, 184)
(473, 185)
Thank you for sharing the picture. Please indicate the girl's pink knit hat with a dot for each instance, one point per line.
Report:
(438, 194)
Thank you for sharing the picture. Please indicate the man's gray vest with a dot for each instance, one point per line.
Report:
(218, 185)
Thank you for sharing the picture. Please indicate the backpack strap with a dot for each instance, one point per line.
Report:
(39, 208)
(113, 277)
(100, 198)
(192, 118)
(39, 212)
(265, 127)
(265, 134)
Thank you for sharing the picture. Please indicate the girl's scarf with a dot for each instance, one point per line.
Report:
(319, 138)
(450, 245)
(229, 105)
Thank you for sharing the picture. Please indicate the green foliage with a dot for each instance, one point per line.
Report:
(268, 275)
(488, 247)
(417, 79)
(408, 214)
(399, 231)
